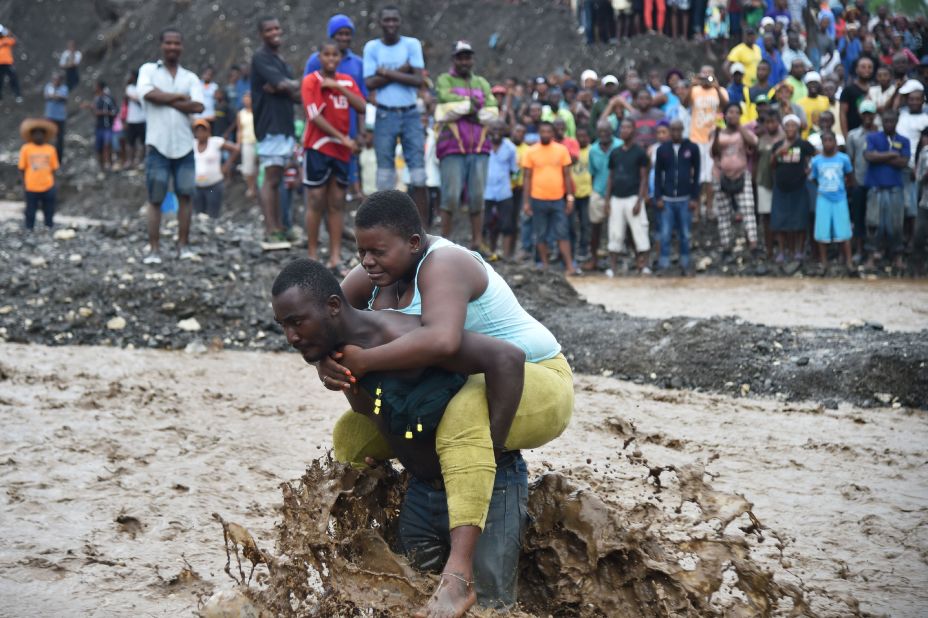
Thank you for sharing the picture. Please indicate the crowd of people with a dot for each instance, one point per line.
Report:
(553, 168)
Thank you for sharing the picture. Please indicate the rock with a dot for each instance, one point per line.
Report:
(763, 347)
(85, 312)
(676, 382)
(190, 325)
(117, 323)
(65, 234)
(745, 389)
(229, 604)
(5, 309)
(802, 361)
(883, 397)
(37, 261)
(873, 325)
(830, 404)
(703, 263)
(75, 258)
(195, 347)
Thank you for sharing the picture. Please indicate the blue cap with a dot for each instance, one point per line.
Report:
(338, 22)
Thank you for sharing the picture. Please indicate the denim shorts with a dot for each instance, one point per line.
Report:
(549, 221)
(161, 172)
(407, 126)
(275, 150)
(103, 138)
(459, 171)
(425, 538)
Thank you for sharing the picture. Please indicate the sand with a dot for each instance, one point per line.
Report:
(114, 461)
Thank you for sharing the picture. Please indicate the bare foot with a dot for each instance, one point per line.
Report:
(453, 597)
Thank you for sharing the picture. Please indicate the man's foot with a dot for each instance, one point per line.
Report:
(292, 234)
(645, 272)
(186, 253)
(19, 99)
(453, 597)
(152, 257)
(610, 273)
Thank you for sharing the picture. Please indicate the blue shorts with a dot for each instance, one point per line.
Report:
(832, 220)
(275, 150)
(103, 137)
(161, 172)
(549, 221)
(318, 167)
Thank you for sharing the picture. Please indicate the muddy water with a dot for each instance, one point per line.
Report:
(113, 461)
(824, 303)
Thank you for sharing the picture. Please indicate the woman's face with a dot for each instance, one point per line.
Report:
(385, 255)
(791, 129)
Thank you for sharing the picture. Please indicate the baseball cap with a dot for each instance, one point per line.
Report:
(761, 98)
(569, 85)
(791, 118)
(201, 122)
(610, 79)
(867, 107)
(767, 21)
(541, 80)
(912, 85)
(737, 68)
(591, 74)
(812, 76)
(498, 89)
(462, 47)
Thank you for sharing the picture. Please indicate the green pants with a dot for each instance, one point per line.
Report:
(462, 439)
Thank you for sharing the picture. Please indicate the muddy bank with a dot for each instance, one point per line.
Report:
(114, 461)
(93, 289)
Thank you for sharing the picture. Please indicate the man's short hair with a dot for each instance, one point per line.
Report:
(388, 7)
(732, 104)
(547, 123)
(310, 276)
(264, 20)
(391, 209)
(170, 30)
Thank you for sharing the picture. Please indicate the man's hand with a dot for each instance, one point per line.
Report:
(694, 205)
(570, 205)
(268, 88)
(527, 209)
(350, 144)
(637, 208)
(659, 204)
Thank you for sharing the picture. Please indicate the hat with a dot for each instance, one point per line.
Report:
(791, 118)
(588, 74)
(812, 76)
(462, 47)
(201, 122)
(569, 85)
(912, 85)
(737, 68)
(610, 79)
(867, 107)
(541, 79)
(852, 25)
(31, 124)
(761, 98)
(337, 22)
(767, 21)
(498, 89)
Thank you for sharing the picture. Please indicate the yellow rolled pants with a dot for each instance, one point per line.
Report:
(465, 449)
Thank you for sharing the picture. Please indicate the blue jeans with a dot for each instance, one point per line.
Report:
(407, 126)
(43, 199)
(587, 9)
(580, 227)
(885, 215)
(426, 539)
(161, 171)
(675, 216)
(549, 221)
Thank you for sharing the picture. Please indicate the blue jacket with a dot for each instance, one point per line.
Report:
(677, 175)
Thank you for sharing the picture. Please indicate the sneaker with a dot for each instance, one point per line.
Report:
(292, 234)
(186, 253)
(645, 272)
(152, 257)
(19, 99)
(609, 273)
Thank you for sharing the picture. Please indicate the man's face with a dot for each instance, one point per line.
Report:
(826, 121)
(733, 116)
(676, 131)
(586, 98)
(814, 88)
(542, 89)
(738, 77)
(554, 99)
(56, 80)
(496, 134)
(829, 144)
(865, 69)
(309, 329)
(663, 134)
(750, 38)
(769, 41)
(583, 138)
(390, 23)
(207, 75)
(343, 37)
(464, 64)
(900, 65)
(654, 78)
(792, 39)
(518, 134)
(915, 100)
(604, 134)
(643, 100)
(171, 46)
(771, 124)
(546, 133)
(610, 89)
(763, 72)
(889, 123)
(829, 89)
(797, 69)
(560, 128)
(534, 112)
(867, 118)
(884, 77)
(234, 75)
(627, 131)
(271, 33)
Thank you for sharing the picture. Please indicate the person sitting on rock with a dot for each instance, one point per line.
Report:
(318, 320)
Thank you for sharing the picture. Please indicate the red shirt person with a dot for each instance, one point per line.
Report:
(327, 98)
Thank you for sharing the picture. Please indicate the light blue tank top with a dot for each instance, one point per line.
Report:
(496, 313)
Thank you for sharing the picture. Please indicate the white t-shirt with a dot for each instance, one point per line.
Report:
(135, 113)
(66, 56)
(209, 162)
(168, 129)
(910, 127)
(209, 100)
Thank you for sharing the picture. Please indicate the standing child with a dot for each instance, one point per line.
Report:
(104, 109)
(328, 97)
(832, 171)
(38, 161)
(207, 156)
(583, 188)
(367, 160)
(247, 143)
(789, 216)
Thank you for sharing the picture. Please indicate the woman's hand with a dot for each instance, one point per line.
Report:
(351, 358)
(334, 375)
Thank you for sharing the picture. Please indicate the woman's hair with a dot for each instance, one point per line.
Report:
(391, 209)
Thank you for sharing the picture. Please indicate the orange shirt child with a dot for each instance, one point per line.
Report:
(6, 49)
(547, 163)
(38, 163)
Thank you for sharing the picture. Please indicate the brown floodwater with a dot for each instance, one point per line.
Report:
(822, 303)
(113, 462)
